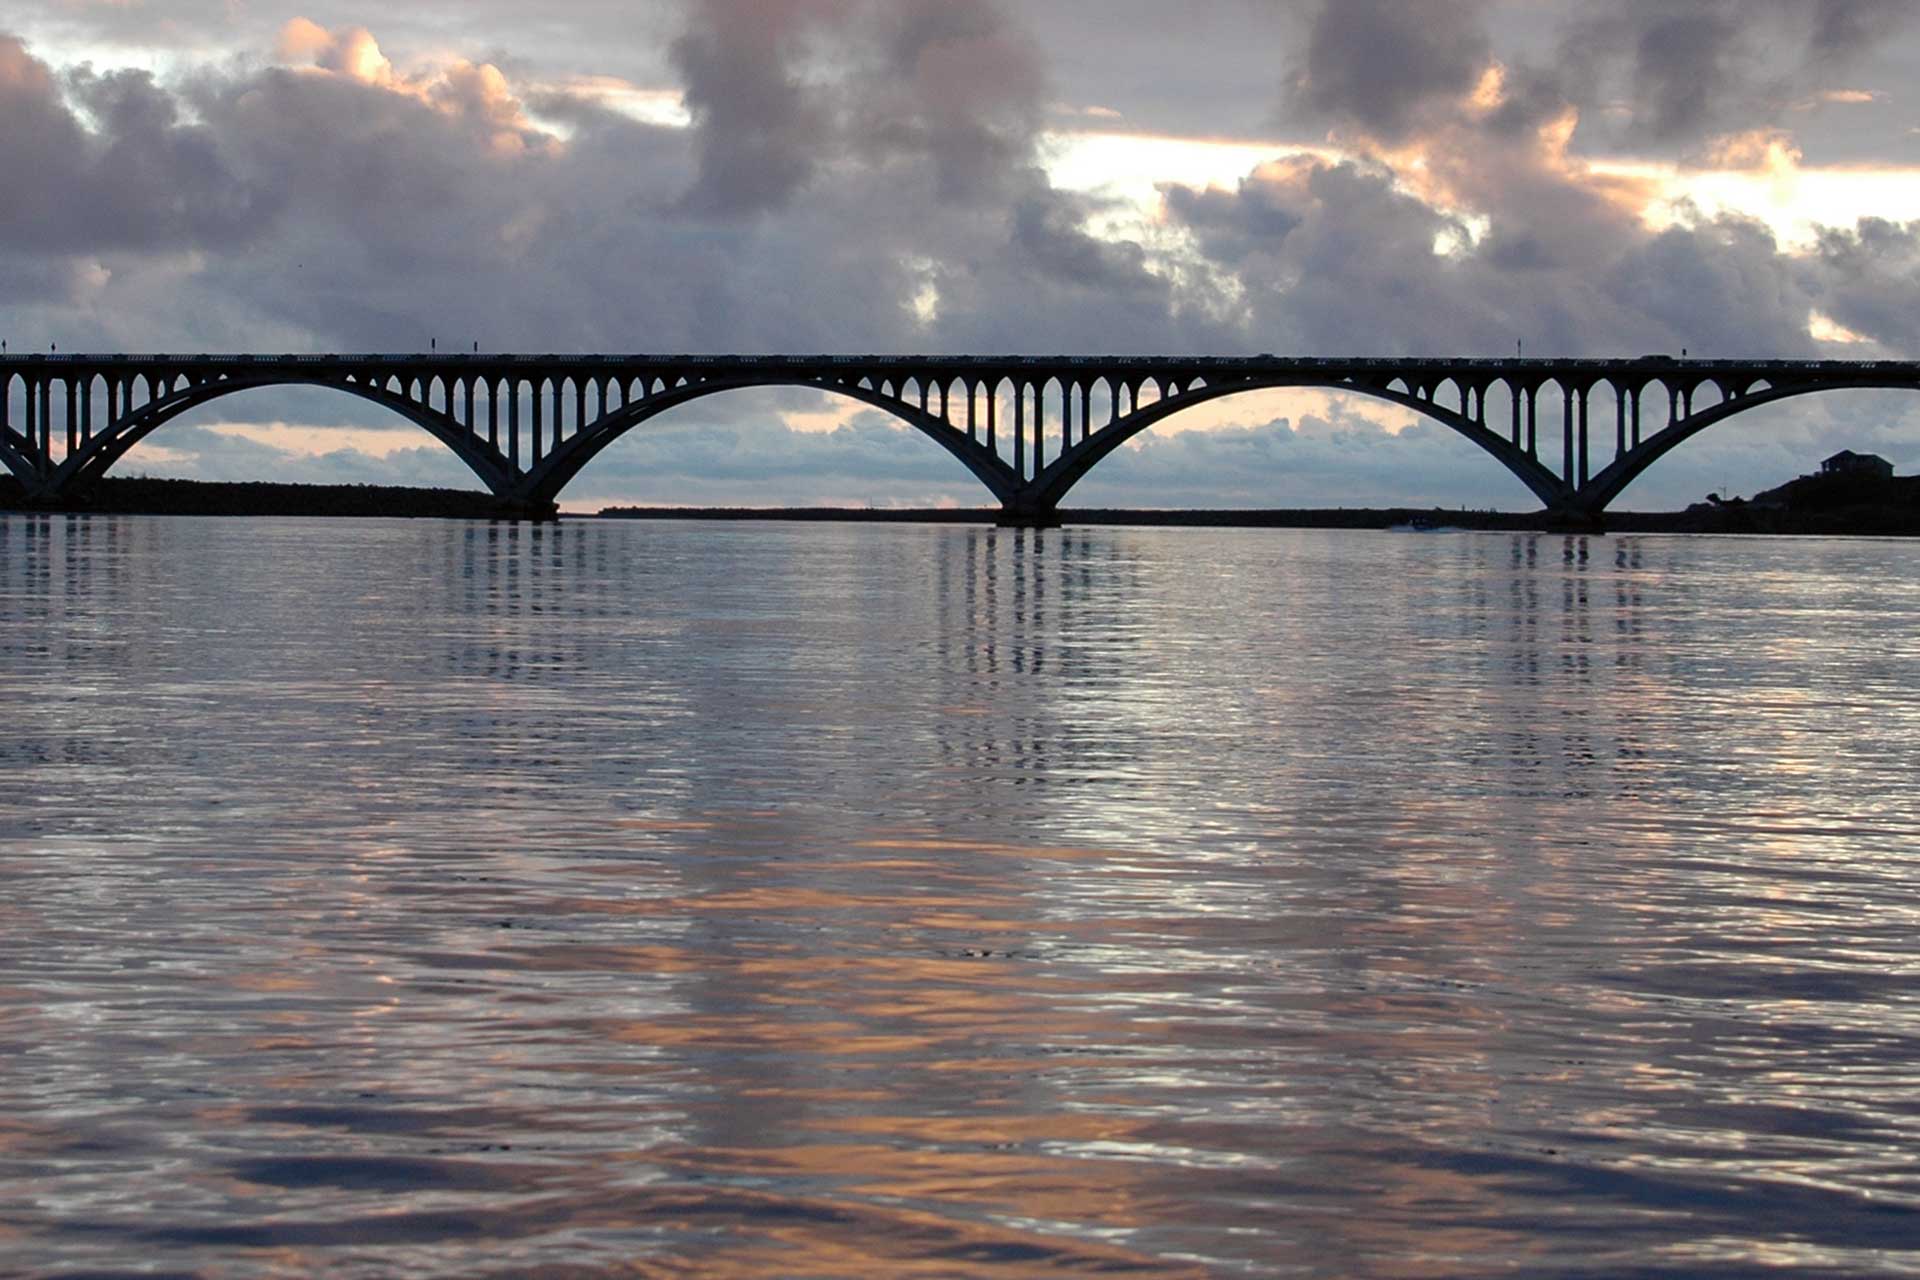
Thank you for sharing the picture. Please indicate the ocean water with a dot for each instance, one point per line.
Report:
(398, 898)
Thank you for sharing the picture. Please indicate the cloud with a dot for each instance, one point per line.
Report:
(1868, 278)
(1381, 64)
(1693, 68)
(760, 132)
(855, 175)
(782, 92)
(134, 175)
(956, 88)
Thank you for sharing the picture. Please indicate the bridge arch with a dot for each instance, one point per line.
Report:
(548, 477)
(1613, 480)
(1053, 483)
(107, 448)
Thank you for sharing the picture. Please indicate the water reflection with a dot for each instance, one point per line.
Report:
(453, 899)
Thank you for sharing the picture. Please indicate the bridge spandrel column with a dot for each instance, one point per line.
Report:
(1584, 396)
(513, 425)
(533, 453)
(1566, 434)
(1039, 428)
(1020, 431)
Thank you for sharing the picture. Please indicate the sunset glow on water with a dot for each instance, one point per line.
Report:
(421, 898)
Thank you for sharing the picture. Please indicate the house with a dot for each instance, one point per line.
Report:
(1848, 463)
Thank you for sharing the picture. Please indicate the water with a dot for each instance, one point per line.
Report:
(438, 899)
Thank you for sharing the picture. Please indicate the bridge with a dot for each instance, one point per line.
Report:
(1027, 427)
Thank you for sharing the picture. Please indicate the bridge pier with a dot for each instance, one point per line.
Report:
(523, 507)
(1025, 516)
(1574, 520)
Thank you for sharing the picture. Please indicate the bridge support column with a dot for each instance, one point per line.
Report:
(1584, 391)
(1020, 514)
(1039, 450)
(1020, 430)
(513, 424)
(1566, 436)
(44, 445)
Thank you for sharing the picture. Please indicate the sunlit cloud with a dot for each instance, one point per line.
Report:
(1825, 328)
(661, 107)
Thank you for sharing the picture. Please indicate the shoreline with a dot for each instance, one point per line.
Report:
(1425, 518)
(139, 496)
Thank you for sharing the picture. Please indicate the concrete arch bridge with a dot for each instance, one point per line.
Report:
(1028, 427)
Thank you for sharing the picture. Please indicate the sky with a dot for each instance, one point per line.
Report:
(1737, 178)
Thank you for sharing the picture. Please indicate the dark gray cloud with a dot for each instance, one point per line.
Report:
(1336, 257)
(1662, 74)
(956, 87)
(132, 174)
(1844, 29)
(1233, 224)
(759, 130)
(784, 91)
(1383, 64)
(1869, 280)
(1680, 71)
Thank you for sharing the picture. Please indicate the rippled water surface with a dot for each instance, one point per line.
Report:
(441, 899)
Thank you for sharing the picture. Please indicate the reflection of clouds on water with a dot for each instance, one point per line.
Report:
(864, 899)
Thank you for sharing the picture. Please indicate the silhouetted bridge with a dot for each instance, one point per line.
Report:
(1029, 427)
